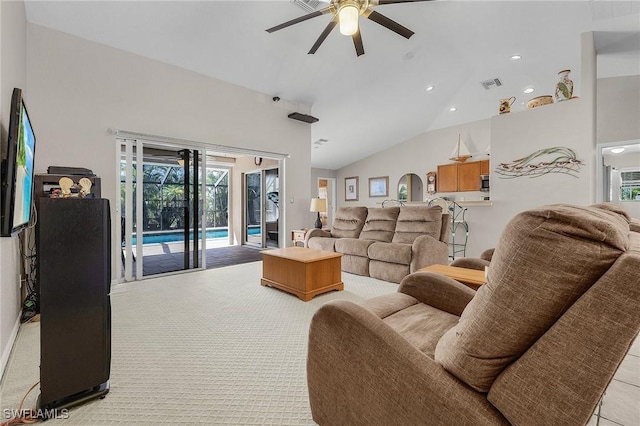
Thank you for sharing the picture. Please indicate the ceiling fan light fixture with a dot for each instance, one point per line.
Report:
(348, 16)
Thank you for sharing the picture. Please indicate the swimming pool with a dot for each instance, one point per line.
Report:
(173, 236)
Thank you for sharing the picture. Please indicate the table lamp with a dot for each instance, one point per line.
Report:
(318, 205)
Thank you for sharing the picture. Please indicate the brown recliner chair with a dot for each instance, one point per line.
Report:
(536, 345)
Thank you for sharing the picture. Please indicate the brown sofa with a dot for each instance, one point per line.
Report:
(386, 243)
(536, 345)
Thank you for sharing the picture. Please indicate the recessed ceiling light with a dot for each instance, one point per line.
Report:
(529, 90)
(452, 109)
(429, 88)
(617, 150)
(515, 57)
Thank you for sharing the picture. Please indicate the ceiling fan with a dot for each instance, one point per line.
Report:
(346, 13)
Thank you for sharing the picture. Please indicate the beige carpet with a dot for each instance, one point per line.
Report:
(217, 348)
(212, 347)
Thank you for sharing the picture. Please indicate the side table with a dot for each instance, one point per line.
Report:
(297, 236)
(470, 277)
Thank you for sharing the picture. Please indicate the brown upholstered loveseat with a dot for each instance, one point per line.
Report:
(386, 243)
(536, 345)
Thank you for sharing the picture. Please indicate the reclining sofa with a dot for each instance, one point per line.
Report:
(537, 344)
(386, 243)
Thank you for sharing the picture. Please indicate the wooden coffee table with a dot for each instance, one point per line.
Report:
(302, 271)
(470, 277)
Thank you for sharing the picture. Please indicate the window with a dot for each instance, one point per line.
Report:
(164, 194)
(630, 184)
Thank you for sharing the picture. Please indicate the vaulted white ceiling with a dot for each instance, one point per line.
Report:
(366, 104)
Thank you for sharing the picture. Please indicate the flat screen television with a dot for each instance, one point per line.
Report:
(17, 169)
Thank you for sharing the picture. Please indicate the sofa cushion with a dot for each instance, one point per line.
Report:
(322, 243)
(414, 221)
(353, 246)
(385, 271)
(348, 222)
(545, 260)
(390, 252)
(422, 325)
(380, 224)
(355, 264)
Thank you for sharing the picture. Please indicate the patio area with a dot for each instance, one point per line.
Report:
(169, 257)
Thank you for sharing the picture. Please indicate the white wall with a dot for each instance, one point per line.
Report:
(420, 155)
(13, 59)
(560, 124)
(623, 160)
(79, 89)
(618, 109)
(511, 136)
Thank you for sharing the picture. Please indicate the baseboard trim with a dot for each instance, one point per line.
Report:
(7, 351)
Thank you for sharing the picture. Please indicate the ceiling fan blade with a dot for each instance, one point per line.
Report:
(300, 19)
(383, 2)
(357, 42)
(388, 23)
(324, 35)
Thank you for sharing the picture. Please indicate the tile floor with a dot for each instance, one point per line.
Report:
(621, 402)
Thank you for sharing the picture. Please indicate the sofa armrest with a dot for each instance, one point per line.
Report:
(426, 251)
(437, 290)
(471, 263)
(487, 254)
(315, 233)
(360, 371)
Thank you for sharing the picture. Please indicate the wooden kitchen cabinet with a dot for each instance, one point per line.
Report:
(469, 176)
(447, 178)
(461, 177)
(484, 167)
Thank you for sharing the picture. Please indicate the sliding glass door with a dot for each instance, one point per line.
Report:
(253, 209)
(161, 216)
(262, 204)
(271, 207)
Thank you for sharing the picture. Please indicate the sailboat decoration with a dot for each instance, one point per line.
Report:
(460, 152)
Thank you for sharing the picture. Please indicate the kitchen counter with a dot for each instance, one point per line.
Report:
(479, 203)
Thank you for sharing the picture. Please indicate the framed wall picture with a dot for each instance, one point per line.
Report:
(379, 186)
(351, 188)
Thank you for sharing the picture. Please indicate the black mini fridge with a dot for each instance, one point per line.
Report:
(73, 239)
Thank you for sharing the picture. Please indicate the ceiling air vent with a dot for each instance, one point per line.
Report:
(493, 82)
(309, 5)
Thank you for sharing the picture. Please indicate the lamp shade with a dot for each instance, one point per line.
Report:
(318, 205)
(348, 16)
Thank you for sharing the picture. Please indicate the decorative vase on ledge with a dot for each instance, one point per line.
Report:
(564, 88)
